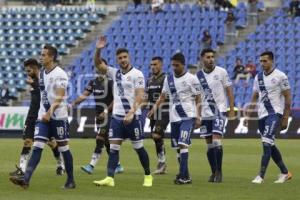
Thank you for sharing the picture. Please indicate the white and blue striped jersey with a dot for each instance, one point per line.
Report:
(270, 98)
(124, 89)
(212, 86)
(48, 83)
(182, 98)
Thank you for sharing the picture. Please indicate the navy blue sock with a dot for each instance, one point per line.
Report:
(276, 156)
(32, 163)
(218, 157)
(265, 159)
(56, 152)
(68, 159)
(144, 159)
(183, 168)
(211, 159)
(178, 156)
(112, 163)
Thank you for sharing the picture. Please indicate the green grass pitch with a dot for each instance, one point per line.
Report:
(241, 163)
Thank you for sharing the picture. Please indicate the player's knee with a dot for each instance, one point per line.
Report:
(208, 140)
(52, 144)
(182, 146)
(28, 142)
(63, 148)
(138, 145)
(114, 148)
(156, 136)
(217, 143)
(39, 144)
(100, 138)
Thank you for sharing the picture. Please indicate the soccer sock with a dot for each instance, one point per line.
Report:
(113, 159)
(144, 159)
(33, 162)
(178, 155)
(58, 157)
(211, 157)
(183, 168)
(95, 159)
(218, 154)
(276, 156)
(68, 160)
(25, 154)
(265, 159)
(160, 150)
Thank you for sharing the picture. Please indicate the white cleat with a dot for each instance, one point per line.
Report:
(258, 180)
(282, 178)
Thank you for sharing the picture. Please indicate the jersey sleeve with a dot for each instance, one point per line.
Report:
(139, 81)
(89, 86)
(225, 79)
(195, 85)
(166, 88)
(284, 83)
(111, 72)
(61, 81)
(255, 85)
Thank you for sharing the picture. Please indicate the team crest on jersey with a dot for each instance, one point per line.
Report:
(273, 80)
(184, 83)
(216, 77)
(128, 78)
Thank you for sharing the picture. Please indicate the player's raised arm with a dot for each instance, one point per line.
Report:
(101, 43)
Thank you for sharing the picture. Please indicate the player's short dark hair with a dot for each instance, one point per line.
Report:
(158, 58)
(205, 51)
(179, 57)
(121, 50)
(31, 62)
(103, 60)
(52, 51)
(269, 54)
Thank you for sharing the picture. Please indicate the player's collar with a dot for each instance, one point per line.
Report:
(269, 72)
(180, 75)
(127, 71)
(50, 70)
(210, 71)
(159, 75)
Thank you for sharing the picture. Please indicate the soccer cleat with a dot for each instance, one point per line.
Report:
(108, 181)
(60, 171)
(182, 181)
(284, 178)
(88, 169)
(19, 180)
(258, 180)
(218, 177)
(211, 179)
(148, 179)
(119, 169)
(161, 168)
(17, 172)
(69, 185)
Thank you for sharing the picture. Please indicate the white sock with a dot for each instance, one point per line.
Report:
(161, 157)
(95, 159)
(23, 161)
(60, 161)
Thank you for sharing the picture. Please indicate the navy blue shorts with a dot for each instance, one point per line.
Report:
(181, 132)
(213, 126)
(268, 127)
(58, 129)
(119, 131)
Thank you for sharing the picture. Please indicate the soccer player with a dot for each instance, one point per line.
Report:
(160, 120)
(216, 88)
(52, 118)
(32, 69)
(184, 92)
(102, 89)
(272, 91)
(128, 95)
